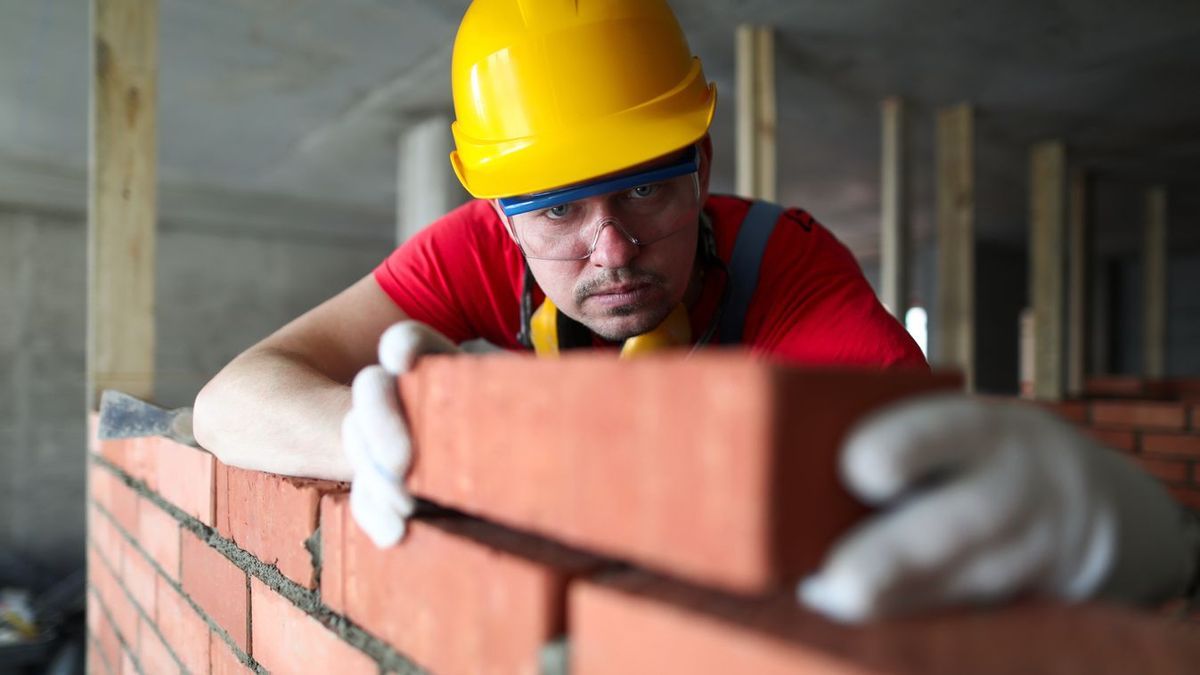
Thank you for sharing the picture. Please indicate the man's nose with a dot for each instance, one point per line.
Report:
(614, 247)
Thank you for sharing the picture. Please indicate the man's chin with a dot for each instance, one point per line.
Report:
(618, 327)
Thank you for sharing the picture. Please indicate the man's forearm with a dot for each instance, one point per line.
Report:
(270, 411)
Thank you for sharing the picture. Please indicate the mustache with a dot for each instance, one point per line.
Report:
(616, 277)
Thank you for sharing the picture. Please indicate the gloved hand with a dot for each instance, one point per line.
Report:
(375, 435)
(988, 499)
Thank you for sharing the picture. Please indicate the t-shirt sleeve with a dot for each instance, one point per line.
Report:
(457, 276)
(814, 306)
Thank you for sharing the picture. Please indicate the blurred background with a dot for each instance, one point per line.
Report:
(299, 140)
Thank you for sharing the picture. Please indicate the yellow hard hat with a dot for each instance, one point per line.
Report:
(549, 93)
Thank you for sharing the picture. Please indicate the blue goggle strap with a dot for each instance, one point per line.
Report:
(515, 206)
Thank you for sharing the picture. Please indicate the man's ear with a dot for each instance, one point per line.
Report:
(503, 220)
(706, 153)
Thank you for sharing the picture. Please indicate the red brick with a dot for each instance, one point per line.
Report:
(110, 647)
(93, 424)
(100, 482)
(456, 596)
(94, 616)
(287, 640)
(218, 586)
(1195, 423)
(633, 625)
(184, 631)
(1114, 387)
(271, 516)
(185, 477)
(1119, 439)
(120, 608)
(135, 456)
(1138, 414)
(153, 654)
(124, 506)
(1172, 444)
(158, 534)
(1071, 411)
(104, 535)
(224, 661)
(1189, 496)
(95, 660)
(335, 517)
(1171, 471)
(139, 578)
(724, 466)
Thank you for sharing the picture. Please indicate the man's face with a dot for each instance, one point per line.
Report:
(625, 289)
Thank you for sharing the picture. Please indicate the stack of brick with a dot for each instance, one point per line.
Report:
(1157, 422)
(596, 516)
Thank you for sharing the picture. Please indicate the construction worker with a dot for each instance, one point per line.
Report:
(582, 132)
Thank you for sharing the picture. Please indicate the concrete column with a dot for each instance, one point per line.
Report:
(1154, 265)
(122, 198)
(755, 117)
(1047, 266)
(894, 212)
(954, 329)
(426, 186)
(1079, 257)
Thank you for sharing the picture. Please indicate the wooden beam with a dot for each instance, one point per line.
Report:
(1079, 257)
(756, 112)
(121, 197)
(1154, 265)
(894, 212)
(1047, 266)
(954, 328)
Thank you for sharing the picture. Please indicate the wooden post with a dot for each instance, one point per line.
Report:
(1079, 254)
(1047, 265)
(894, 215)
(954, 330)
(755, 118)
(121, 198)
(1154, 265)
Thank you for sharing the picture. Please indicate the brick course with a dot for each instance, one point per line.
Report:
(288, 640)
(271, 516)
(1139, 414)
(621, 624)
(461, 596)
(705, 486)
(218, 586)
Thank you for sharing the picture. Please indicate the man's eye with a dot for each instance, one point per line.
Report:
(556, 212)
(643, 191)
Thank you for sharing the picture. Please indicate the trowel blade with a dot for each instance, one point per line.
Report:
(125, 416)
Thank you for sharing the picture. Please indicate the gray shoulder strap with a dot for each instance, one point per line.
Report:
(743, 267)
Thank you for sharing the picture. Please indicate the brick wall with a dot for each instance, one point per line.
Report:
(657, 545)
(1157, 422)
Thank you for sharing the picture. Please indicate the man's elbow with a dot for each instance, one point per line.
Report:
(207, 418)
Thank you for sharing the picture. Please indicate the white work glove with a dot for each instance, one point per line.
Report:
(375, 435)
(986, 500)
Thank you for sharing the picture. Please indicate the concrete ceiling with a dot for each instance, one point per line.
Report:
(305, 98)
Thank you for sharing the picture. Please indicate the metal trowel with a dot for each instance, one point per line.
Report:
(124, 416)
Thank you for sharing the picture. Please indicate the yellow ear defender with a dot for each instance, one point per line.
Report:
(545, 324)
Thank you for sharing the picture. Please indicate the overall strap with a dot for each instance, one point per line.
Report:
(743, 268)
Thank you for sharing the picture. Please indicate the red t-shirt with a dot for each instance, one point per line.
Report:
(462, 275)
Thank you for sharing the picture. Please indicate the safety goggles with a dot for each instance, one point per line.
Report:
(515, 206)
(645, 207)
